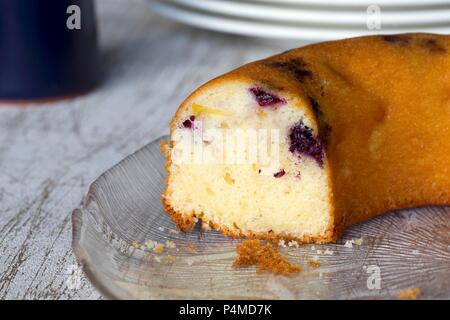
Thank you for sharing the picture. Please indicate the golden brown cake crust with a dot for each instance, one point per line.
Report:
(384, 103)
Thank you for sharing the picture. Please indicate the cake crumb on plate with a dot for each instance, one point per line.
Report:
(159, 248)
(351, 242)
(136, 244)
(409, 294)
(192, 247)
(170, 244)
(169, 259)
(293, 243)
(264, 256)
(150, 244)
(313, 264)
(282, 243)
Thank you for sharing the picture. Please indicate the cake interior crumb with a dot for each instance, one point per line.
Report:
(264, 256)
(409, 294)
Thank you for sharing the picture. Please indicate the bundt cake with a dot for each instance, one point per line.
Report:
(302, 144)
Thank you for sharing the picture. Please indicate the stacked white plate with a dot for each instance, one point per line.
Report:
(310, 19)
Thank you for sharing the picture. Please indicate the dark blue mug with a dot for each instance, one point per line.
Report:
(48, 48)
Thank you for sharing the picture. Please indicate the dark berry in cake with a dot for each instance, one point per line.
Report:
(189, 123)
(398, 40)
(279, 174)
(303, 142)
(265, 98)
(297, 67)
(433, 46)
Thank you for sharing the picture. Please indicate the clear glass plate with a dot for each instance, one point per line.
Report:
(122, 211)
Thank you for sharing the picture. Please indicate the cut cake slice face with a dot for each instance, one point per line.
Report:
(247, 159)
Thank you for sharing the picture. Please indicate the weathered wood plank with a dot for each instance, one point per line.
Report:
(50, 153)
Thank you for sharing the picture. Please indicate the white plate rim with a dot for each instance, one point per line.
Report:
(307, 15)
(265, 30)
(359, 3)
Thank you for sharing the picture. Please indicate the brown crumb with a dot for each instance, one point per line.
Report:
(313, 264)
(264, 256)
(409, 294)
(192, 247)
(136, 244)
(159, 248)
(169, 259)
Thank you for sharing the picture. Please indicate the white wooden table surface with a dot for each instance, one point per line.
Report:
(50, 153)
